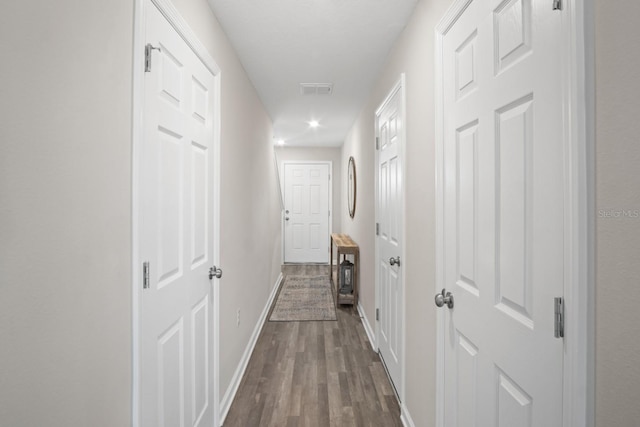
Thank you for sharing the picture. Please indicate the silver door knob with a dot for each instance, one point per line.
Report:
(444, 299)
(215, 272)
(394, 261)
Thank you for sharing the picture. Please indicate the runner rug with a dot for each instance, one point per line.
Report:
(304, 298)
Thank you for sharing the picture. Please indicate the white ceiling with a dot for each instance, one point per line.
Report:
(282, 43)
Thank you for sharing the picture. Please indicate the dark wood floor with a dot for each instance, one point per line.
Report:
(314, 374)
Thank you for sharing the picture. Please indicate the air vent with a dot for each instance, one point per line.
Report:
(316, 88)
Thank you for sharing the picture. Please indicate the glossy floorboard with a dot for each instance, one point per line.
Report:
(314, 374)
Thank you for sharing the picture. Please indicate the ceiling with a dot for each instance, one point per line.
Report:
(282, 43)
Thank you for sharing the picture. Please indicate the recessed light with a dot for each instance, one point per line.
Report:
(314, 123)
(281, 142)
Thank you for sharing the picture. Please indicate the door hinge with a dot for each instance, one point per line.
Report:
(559, 317)
(377, 314)
(145, 275)
(557, 4)
(377, 143)
(377, 228)
(147, 56)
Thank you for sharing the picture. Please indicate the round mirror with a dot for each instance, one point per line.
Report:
(351, 190)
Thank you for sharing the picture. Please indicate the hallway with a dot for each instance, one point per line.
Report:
(314, 374)
(303, 81)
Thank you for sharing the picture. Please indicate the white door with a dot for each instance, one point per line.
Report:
(503, 182)
(307, 212)
(177, 214)
(389, 131)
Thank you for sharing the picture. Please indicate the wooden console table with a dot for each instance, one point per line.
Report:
(345, 246)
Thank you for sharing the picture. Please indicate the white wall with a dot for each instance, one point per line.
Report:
(65, 212)
(618, 239)
(317, 154)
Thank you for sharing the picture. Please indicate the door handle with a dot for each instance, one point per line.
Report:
(394, 261)
(286, 218)
(215, 272)
(442, 299)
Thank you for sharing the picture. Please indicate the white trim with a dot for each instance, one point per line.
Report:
(452, 13)
(367, 327)
(330, 201)
(578, 81)
(405, 417)
(137, 134)
(578, 45)
(172, 15)
(400, 85)
(217, 165)
(282, 237)
(230, 394)
(177, 21)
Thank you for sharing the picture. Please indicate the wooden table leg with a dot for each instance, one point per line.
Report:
(337, 275)
(356, 281)
(331, 260)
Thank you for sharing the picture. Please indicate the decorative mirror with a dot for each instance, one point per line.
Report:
(351, 190)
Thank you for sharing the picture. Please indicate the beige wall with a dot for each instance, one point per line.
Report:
(618, 239)
(412, 54)
(65, 212)
(317, 154)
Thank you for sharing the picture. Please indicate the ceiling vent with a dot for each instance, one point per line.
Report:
(316, 88)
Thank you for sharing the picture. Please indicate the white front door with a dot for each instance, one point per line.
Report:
(390, 259)
(503, 191)
(306, 203)
(177, 226)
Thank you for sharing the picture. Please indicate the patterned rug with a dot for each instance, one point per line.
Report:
(303, 298)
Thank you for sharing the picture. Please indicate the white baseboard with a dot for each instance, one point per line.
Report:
(367, 327)
(230, 394)
(405, 417)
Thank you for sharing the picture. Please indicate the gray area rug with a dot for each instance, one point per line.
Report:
(303, 298)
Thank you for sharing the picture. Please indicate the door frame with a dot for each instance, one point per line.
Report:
(398, 87)
(284, 197)
(578, 107)
(168, 10)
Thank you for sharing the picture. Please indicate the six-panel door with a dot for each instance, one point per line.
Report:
(177, 233)
(503, 215)
(306, 200)
(389, 241)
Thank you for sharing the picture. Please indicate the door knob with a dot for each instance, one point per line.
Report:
(442, 299)
(215, 272)
(394, 261)
(286, 218)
